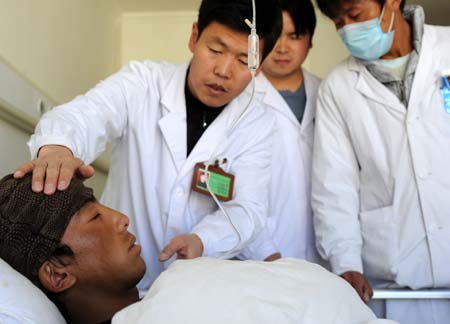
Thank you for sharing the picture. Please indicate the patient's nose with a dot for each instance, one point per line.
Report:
(121, 221)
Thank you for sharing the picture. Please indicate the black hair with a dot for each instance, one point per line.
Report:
(331, 8)
(232, 14)
(303, 15)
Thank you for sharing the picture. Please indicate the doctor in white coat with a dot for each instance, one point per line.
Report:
(162, 119)
(290, 91)
(381, 184)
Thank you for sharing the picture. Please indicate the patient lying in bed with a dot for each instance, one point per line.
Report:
(81, 255)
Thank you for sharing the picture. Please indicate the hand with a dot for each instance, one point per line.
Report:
(360, 283)
(57, 165)
(273, 257)
(187, 246)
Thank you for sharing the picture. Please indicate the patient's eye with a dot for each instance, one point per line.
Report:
(96, 216)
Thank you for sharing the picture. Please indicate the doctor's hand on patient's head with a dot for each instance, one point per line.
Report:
(360, 283)
(186, 246)
(55, 165)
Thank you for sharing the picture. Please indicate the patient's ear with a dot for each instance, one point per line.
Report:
(55, 278)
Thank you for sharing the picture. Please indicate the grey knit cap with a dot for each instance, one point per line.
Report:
(32, 224)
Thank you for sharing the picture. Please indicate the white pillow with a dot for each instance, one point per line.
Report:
(22, 302)
(204, 291)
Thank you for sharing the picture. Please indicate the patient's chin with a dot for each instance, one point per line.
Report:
(140, 271)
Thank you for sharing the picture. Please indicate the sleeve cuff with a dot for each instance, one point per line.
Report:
(208, 250)
(260, 249)
(36, 142)
(346, 262)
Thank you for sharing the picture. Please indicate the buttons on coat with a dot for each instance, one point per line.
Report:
(424, 175)
(179, 191)
(432, 229)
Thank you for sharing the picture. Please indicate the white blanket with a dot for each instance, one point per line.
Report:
(205, 291)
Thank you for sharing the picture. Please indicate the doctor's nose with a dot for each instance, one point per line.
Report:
(223, 68)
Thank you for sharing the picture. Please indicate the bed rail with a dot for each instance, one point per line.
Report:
(411, 294)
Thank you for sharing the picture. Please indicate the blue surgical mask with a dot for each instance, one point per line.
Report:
(366, 40)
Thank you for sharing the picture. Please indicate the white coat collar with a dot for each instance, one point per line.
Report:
(273, 98)
(376, 91)
(372, 88)
(173, 122)
(214, 140)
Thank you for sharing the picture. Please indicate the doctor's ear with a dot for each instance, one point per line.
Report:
(194, 37)
(393, 5)
(55, 278)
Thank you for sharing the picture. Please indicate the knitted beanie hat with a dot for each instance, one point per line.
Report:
(32, 224)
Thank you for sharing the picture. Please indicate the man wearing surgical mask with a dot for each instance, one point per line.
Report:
(380, 183)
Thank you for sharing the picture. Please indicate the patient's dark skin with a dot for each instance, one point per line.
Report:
(100, 278)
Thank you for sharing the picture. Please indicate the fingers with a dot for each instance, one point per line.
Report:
(360, 284)
(53, 169)
(68, 168)
(86, 171)
(187, 246)
(170, 249)
(51, 177)
(23, 169)
(39, 170)
(367, 292)
(359, 287)
(273, 257)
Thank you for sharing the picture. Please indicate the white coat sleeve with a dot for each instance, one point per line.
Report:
(335, 187)
(248, 209)
(261, 248)
(87, 123)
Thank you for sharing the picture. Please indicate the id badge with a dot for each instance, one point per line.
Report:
(446, 93)
(220, 182)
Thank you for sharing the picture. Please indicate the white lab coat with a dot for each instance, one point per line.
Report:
(142, 111)
(289, 227)
(381, 185)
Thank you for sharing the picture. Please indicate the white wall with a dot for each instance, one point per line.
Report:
(328, 49)
(156, 35)
(165, 35)
(13, 148)
(63, 48)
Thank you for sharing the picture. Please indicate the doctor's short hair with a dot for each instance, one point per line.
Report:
(302, 14)
(232, 14)
(331, 8)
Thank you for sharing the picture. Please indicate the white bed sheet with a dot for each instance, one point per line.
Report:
(219, 291)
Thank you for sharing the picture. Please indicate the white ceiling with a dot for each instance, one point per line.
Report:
(436, 11)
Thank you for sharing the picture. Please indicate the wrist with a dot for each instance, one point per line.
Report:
(198, 242)
(47, 149)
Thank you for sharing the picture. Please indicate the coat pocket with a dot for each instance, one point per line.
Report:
(380, 243)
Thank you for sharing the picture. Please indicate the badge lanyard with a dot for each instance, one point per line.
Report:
(445, 89)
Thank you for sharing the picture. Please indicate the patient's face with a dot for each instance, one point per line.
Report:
(105, 254)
